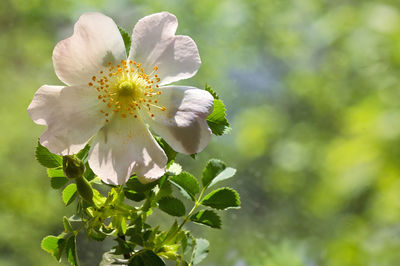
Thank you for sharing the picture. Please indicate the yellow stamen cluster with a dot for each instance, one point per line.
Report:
(125, 88)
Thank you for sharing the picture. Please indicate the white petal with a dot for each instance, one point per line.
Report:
(125, 146)
(154, 44)
(95, 42)
(72, 115)
(183, 124)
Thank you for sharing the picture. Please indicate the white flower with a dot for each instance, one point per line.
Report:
(112, 97)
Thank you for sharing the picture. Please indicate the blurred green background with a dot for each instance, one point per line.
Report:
(312, 89)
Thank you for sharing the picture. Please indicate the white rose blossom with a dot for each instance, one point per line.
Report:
(110, 98)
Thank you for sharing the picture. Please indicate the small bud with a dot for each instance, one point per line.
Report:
(73, 167)
(84, 189)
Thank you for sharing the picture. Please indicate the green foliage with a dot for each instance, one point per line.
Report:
(84, 189)
(165, 188)
(127, 221)
(67, 225)
(70, 249)
(69, 194)
(54, 245)
(57, 178)
(126, 38)
(134, 184)
(213, 168)
(171, 154)
(223, 175)
(217, 120)
(207, 217)
(146, 257)
(46, 158)
(187, 184)
(212, 92)
(83, 154)
(172, 206)
(222, 198)
(133, 195)
(201, 250)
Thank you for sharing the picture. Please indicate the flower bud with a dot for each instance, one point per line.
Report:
(73, 167)
(84, 189)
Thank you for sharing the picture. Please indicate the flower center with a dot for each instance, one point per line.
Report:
(125, 89)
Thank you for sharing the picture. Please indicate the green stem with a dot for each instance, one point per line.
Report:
(186, 218)
(196, 204)
(79, 228)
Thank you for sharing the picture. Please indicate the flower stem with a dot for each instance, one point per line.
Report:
(186, 218)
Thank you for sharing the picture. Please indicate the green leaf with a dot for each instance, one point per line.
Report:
(200, 250)
(53, 245)
(96, 235)
(123, 247)
(165, 188)
(70, 250)
(55, 172)
(46, 158)
(207, 217)
(82, 154)
(211, 91)
(172, 231)
(89, 175)
(67, 225)
(188, 245)
(222, 198)
(171, 154)
(187, 184)
(217, 120)
(133, 195)
(134, 184)
(213, 168)
(57, 178)
(146, 257)
(225, 174)
(127, 39)
(172, 206)
(69, 194)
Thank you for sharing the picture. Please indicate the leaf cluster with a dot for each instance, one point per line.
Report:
(115, 215)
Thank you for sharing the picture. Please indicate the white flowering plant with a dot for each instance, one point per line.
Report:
(113, 133)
